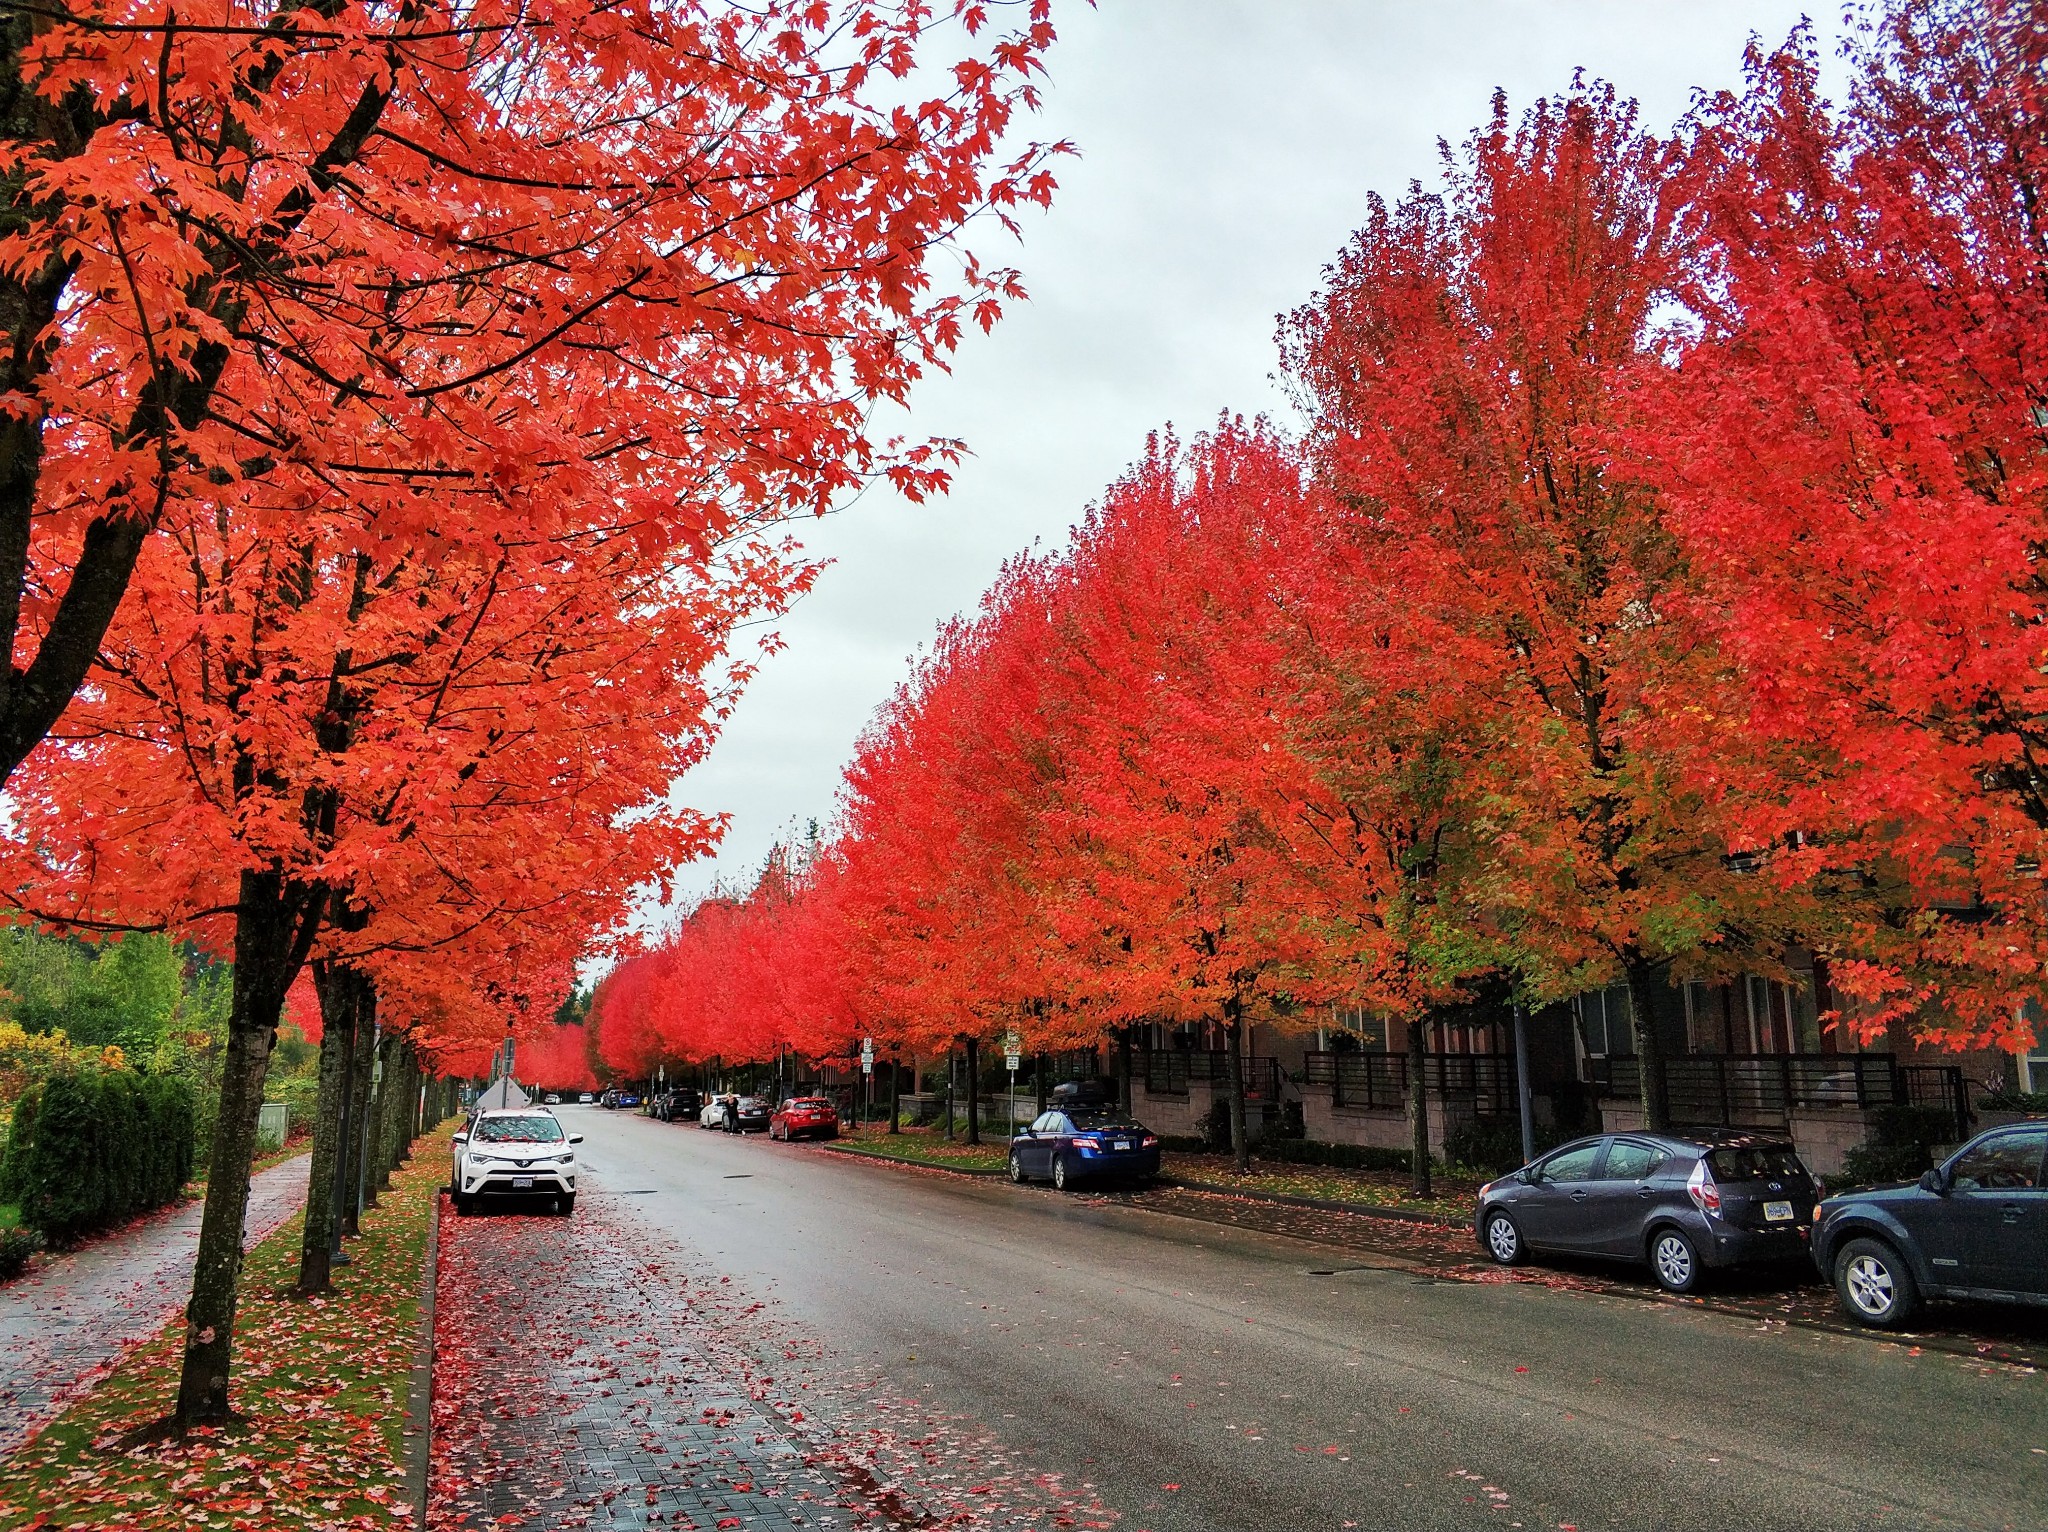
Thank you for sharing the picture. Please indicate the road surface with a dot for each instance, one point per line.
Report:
(1193, 1376)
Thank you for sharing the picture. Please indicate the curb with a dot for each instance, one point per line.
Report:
(419, 1399)
(1281, 1199)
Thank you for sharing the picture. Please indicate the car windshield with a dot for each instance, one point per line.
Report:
(518, 1130)
(1755, 1162)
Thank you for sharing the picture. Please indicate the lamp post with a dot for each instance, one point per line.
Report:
(1522, 1081)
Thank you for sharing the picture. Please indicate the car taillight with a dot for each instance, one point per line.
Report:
(1150, 1141)
(1699, 1186)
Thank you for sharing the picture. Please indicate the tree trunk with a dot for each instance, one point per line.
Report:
(337, 1038)
(352, 1199)
(1233, 1058)
(1642, 984)
(895, 1095)
(390, 1106)
(1040, 1065)
(1126, 1099)
(973, 1090)
(949, 1095)
(272, 931)
(1418, 1108)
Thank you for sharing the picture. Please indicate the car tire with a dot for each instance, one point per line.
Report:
(1874, 1284)
(464, 1206)
(565, 1205)
(1503, 1240)
(1674, 1260)
(1060, 1178)
(1016, 1169)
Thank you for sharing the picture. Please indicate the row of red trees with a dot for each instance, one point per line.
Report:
(403, 413)
(1654, 583)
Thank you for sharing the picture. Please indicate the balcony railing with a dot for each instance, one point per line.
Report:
(1761, 1090)
(1169, 1072)
(1381, 1079)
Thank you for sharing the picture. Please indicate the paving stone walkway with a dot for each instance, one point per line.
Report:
(63, 1327)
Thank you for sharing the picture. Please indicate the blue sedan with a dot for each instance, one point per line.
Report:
(1080, 1144)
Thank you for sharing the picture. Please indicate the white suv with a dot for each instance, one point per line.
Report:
(519, 1153)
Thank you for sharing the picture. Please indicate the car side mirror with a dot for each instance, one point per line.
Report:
(575, 1138)
(1023, 1133)
(1933, 1181)
(460, 1138)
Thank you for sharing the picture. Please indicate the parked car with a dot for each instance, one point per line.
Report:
(1083, 1143)
(552, 1098)
(585, 1098)
(1683, 1202)
(679, 1103)
(518, 1153)
(608, 1099)
(1974, 1227)
(713, 1113)
(626, 1098)
(804, 1117)
(751, 1114)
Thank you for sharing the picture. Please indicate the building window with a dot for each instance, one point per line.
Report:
(1604, 1022)
(1369, 1031)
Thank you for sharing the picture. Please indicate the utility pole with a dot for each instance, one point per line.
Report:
(1522, 1081)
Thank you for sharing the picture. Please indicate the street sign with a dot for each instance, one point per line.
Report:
(1013, 1051)
(867, 1055)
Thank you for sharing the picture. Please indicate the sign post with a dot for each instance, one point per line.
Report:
(1013, 1055)
(866, 1082)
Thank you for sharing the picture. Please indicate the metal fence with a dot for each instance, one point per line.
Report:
(1381, 1079)
(1761, 1090)
(1170, 1071)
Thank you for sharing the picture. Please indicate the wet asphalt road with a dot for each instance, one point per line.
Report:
(1203, 1377)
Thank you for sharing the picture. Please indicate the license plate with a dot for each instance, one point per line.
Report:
(525, 1184)
(1778, 1212)
(1122, 1143)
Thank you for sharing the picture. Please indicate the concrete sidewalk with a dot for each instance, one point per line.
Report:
(64, 1327)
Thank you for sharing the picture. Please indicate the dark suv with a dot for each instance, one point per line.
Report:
(1683, 1202)
(1975, 1227)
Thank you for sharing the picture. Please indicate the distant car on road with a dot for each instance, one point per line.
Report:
(626, 1098)
(552, 1098)
(1682, 1202)
(518, 1153)
(804, 1117)
(1084, 1143)
(585, 1098)
(1974, 1227)
(751, 1114)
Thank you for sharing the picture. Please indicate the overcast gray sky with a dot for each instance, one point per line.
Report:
(1226, 150)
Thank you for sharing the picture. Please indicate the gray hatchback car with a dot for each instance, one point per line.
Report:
(1683, 1202)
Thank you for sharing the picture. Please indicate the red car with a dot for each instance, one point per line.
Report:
(802, 1115)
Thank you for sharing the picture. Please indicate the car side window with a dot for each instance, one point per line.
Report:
(1042, 1123)
(2007, 1164)
(1057, 1123)
(1630, 1161)
(1572, 1164)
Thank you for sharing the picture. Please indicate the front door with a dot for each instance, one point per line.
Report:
(1998, 1212)
(1557, 1211)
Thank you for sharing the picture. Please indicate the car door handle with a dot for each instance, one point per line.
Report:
(1578, 1196)
(2011, 1211)
(1643, 1192)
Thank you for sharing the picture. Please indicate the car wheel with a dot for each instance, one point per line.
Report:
(1059, 1171)
(566, 1204)
(1674, 1261)
(1504, 1240)
(464, 1205)
(1016, 1168)
(1874, 1284)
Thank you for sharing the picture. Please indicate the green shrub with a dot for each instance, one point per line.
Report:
(1901, 1145)
(2006, 1100)
(16, 1246)
(14, 1154)
(99, 1146)
(1309, 1151)
(1493, 1145)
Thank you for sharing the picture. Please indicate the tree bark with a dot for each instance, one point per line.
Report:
(1233, 1050)
(1418, 1108)
(337, 1039)
(274, 925)
(1041, 1064)
(895, 1095)
(1656, 1090)
(352, 1186)
(973, 1089)
(1123, 1071)
(390, 1110)
(949, 1095)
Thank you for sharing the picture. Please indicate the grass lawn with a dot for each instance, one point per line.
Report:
(1365, 1189)
(320, 1386)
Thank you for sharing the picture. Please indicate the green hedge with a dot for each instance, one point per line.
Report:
(1300, 1151)
(92, 1148)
